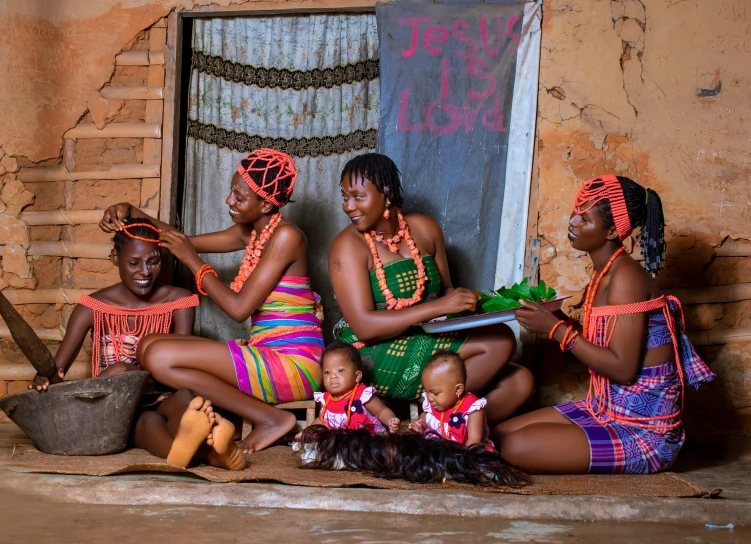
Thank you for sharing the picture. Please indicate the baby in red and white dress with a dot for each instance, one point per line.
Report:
(449, 411)
(347, 403)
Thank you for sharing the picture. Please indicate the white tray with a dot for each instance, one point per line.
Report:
(441, 324)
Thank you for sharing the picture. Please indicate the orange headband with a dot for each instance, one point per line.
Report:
(607, 188)
(133, 225)
(270, 188)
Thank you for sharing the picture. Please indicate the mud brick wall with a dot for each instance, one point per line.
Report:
(52, 248)
(649, 89)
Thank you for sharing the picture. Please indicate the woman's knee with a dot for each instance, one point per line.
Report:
(146, 420)
(145, 343)
(524, 382)
(156, 358)
(183, 397)
(495, 340)
(515, 448)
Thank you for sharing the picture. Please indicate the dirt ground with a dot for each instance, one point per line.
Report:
(30, 519)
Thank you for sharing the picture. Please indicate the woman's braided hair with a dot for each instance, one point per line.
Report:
(644, 210)
(380, 171)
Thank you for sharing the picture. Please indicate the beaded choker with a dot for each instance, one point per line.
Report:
(605, 188)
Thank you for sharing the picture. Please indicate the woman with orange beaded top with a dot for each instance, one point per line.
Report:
(389, 273)
(632, 340)
(281, 360)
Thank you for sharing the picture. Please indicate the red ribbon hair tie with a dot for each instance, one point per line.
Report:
(605, 188)
(271, 188)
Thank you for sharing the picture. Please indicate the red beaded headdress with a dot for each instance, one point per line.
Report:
(145, 225)
(270, 189)
(605, 188)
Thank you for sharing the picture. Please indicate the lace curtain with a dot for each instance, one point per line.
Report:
(307, 85)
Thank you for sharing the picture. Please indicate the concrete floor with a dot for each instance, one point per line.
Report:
(149, 508)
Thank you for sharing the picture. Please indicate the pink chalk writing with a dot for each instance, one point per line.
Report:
(435, 34)
(415, 36)
(479, 46)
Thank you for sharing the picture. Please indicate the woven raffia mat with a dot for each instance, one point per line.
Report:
(280, 464)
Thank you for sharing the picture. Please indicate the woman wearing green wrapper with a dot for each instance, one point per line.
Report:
(389, 273)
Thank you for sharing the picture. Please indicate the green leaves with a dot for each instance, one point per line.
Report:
(498, 303)
(507, 298)
(535, 293)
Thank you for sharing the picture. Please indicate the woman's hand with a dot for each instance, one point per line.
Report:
(458, 300)
(40, 383)
(179, 245)
(114, 216)
(535, 318)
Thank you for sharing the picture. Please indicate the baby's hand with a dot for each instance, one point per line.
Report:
(394, 423)
(418, 426)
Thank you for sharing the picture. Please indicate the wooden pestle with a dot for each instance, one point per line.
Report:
(27, 340)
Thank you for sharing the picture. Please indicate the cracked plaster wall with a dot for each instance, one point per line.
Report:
(54, 56)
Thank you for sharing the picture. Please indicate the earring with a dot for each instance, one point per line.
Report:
(387, 212)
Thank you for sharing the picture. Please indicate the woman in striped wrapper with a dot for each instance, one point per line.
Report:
(281, 360)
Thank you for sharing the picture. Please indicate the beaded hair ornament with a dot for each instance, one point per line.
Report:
(271, 187)
(146, 225)
(605, 188)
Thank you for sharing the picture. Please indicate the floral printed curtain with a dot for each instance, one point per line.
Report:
(306, 85)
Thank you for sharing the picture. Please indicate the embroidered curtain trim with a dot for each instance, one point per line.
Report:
(284, 78)
(317, 146)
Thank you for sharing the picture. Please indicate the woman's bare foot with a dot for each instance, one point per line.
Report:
(224, 453)
(267, 432)
(194, 428)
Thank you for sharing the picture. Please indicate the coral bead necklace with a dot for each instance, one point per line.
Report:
(589, 299)
(254, 251)
(392, 303)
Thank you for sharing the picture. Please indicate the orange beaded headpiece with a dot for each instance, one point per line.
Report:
(605, 188)
(145, 225)
(259, 162)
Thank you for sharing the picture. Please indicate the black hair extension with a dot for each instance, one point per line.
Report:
(410, 456)
(644, 210)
